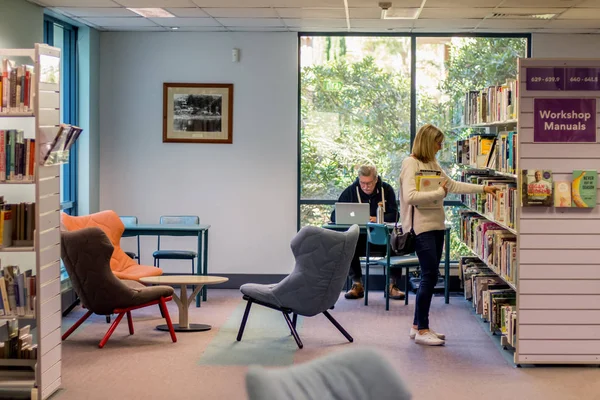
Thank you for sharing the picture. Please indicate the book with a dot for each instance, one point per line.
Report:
(562, 194)
(537, 188)
(583, 188)
(429, 183)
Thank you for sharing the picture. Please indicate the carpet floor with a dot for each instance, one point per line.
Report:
(212, 364)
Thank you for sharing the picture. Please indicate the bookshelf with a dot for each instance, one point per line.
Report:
(489, 226)
(36, 378)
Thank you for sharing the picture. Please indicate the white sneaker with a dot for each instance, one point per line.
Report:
(413, 333)
(428, 339)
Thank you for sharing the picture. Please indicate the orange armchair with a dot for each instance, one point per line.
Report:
(121, 264)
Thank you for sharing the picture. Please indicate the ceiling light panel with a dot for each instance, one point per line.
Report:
(315, 13)
(375, 3)
(400, 13)
(181, 22)
(254, 12)
(186, 12)
(96, 12)
(581, 13)
(152, 12)
(444, 13)
(156, 3)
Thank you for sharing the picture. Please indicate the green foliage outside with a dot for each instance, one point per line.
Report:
(356, 110)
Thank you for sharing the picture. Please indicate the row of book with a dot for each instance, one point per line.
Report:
(16, 87)
(17, 224)
(493, 244)
(501, 208)
(491, 298)
(497, 152)
(55, 149)
(17, 292)
(540, 189)
(495, 103)
(17, 156)
(19, 343)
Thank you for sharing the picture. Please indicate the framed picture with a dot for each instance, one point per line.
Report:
(197, 112)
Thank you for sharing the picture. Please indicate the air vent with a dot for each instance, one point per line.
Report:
(521, 16)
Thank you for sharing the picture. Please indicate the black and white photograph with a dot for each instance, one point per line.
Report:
(197, 113)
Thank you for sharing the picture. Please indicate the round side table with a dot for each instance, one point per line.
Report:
(183, 301)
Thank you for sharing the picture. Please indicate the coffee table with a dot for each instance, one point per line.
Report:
(183, 301)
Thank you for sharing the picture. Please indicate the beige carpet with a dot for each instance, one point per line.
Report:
(211, 365)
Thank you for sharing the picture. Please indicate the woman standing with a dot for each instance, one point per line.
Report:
(428, 223)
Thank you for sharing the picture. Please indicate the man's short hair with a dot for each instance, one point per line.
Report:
(367, 170)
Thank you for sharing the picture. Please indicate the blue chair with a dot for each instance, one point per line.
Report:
(130, 220)
(176, 254)
(379, 234)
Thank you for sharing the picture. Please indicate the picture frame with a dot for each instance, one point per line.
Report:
(197, 113)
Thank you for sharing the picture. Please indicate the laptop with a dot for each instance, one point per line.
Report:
(352, 213)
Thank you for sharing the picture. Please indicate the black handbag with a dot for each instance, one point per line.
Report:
(403, 243)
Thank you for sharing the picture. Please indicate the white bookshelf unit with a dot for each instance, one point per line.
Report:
(558, 301)
(43, 258)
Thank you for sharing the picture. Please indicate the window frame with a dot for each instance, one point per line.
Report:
(413, 96)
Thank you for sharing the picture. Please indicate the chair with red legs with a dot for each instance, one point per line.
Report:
(86, 254)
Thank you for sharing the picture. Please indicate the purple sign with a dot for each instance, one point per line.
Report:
(545, 78)
(564, 120)
(582, 79)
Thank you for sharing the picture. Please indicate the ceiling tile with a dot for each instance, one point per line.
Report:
(581, 13)
(317, 13)
(573, 24)
(156, 3)
(268, 3)
(257, 29)
(562, 31)
(507, 30)
(200, 29)
(375, 3)
(96, 12)
(383, 30)
(512, 23)
(133, 22)
(531, 10)
(135, 29)
(251, 21)
(79, 3)
(461, 3)
(381, 23)
(589, 3)
(444, 13)
(365, 13)
(324, 24)
(315, 29)
(187, 12)
(255, 12)
(540, 3)
(185, 22)
(449, 23)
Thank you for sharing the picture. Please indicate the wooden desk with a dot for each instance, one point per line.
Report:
(200, 231)
(183, 301)
(363, 231)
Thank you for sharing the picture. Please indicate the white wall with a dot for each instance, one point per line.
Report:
(21, 24)
(246, 190)
(558, 46)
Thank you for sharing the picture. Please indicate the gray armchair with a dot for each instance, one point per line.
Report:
(322, 264)
(358, 374)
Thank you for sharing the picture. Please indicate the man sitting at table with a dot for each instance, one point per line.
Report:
(370, 188)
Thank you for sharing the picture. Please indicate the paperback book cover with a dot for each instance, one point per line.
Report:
(537, 188)
(562, 194)
(429, 183)
(583, 188)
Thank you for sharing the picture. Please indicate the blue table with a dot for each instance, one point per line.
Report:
(363, 231)
(200, 231)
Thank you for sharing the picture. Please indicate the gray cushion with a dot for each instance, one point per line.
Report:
(86, 253)
(322, 264)
(357, 374)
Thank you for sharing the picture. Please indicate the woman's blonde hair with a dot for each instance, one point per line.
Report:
(424, 146)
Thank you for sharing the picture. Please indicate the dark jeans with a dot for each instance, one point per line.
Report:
(376, 251)
(429, 246)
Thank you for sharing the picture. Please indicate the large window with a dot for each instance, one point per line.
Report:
(64, 36)
(362, 99)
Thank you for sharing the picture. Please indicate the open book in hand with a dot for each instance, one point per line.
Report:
(429, 181)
